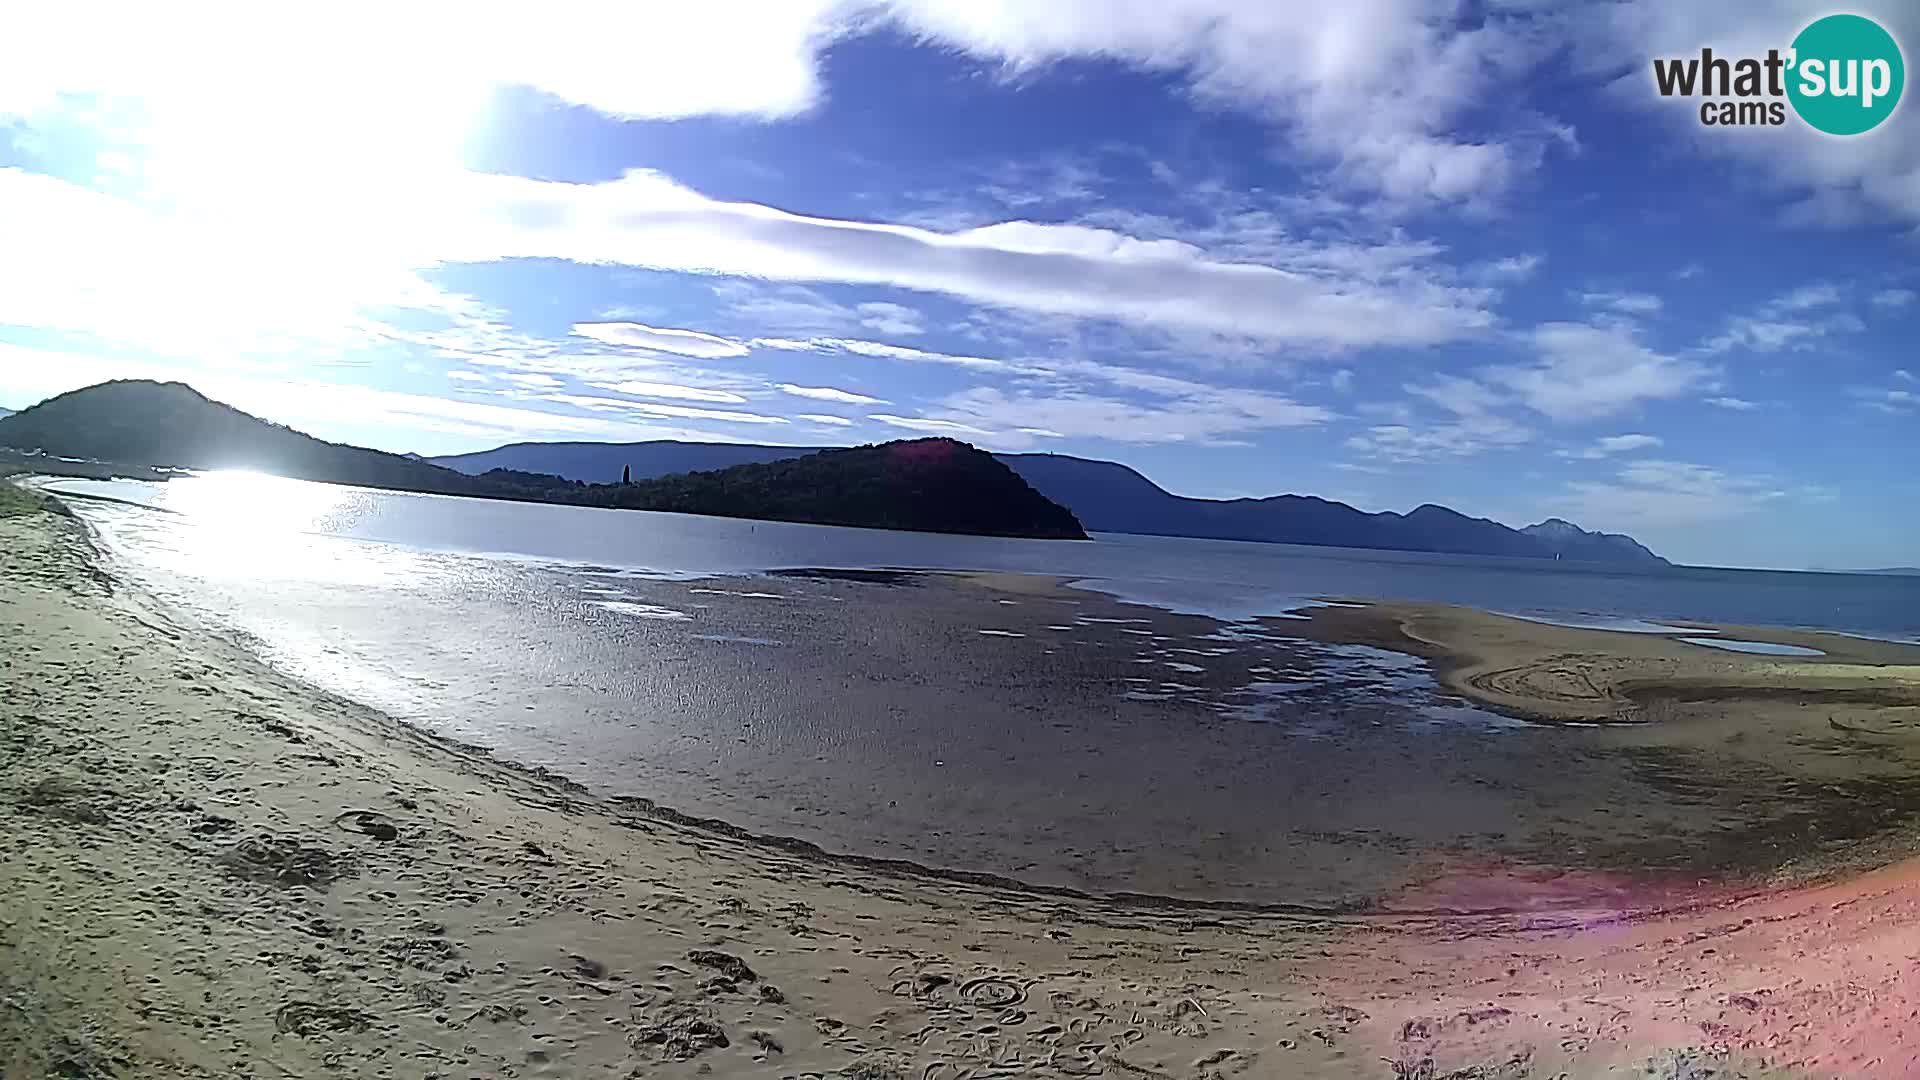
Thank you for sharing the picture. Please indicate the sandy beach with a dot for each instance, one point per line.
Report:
(209, 869)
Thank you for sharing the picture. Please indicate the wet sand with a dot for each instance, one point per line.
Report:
(208, 869)
(1013, 726)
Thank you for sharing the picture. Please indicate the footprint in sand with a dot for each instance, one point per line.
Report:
(284, 860)
(370, 823)
(992, 992)
(680, 1034)
(730, 967)
(308, 1018)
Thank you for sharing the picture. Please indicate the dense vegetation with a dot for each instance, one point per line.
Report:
(929, 485)
(932, 485)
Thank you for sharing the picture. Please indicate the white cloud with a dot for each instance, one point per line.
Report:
(1614, 444)
(878, 349)
(741, 57)
(671, 391)
(1512, 268)
(1903, 373)
(646, 220)
(1462, 397)
(1620, 444)
(1895, 298)
(1626, 303)
(823, 418)
(271, 270)
(1463, 437)
(80, 261)
(659, 339)
(684, 412)
(1655, 493)
(1734, 403)
(777, 309)
(531, 380)
(341, 411)
(928, 425)
(1373, 91)
(462, 375)
(1206, 415)
(829, 393)
(1341, 380)
(1586, 371)
(1895, 402)
(896, 320)
(1786, 322)
(1816, 294)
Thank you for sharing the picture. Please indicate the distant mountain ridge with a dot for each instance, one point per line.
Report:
(934, 485)
(1110, 497)
(1570, 540)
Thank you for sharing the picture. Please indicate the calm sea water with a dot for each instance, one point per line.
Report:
(1061, 738)
(1224, 579)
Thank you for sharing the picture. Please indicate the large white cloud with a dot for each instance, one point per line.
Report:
(648, 220)
(1583, 371)
(1411, 100)
(1371, 88)
(76, 256)
(741, 57)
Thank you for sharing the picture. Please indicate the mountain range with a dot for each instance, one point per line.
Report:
(1110, 497)
(929, 485)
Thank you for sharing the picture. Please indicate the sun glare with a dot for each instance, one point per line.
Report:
(251, 504)
(291, 181)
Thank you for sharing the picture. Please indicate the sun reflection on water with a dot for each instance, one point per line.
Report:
(238, 501)
(252, 525)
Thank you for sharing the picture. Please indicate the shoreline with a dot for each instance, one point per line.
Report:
(618, 808)
(1512, 662)
(1462, 646)
(209, 868)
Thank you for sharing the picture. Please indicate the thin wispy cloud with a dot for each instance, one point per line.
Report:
(660, 339)
(830, 393)
(667, 390)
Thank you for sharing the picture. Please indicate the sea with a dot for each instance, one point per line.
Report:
(676, 657)
(1220, 578)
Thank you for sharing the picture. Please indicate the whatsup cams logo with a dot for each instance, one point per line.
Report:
(1842, 75)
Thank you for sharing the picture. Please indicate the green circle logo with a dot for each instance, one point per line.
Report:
(1847, 74)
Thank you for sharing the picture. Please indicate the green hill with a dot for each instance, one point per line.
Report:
(137, 422)
(928, 485)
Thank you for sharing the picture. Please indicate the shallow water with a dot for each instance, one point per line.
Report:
(1607, 622)
(1763, 648)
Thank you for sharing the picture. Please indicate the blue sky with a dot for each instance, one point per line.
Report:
(1412, 252)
